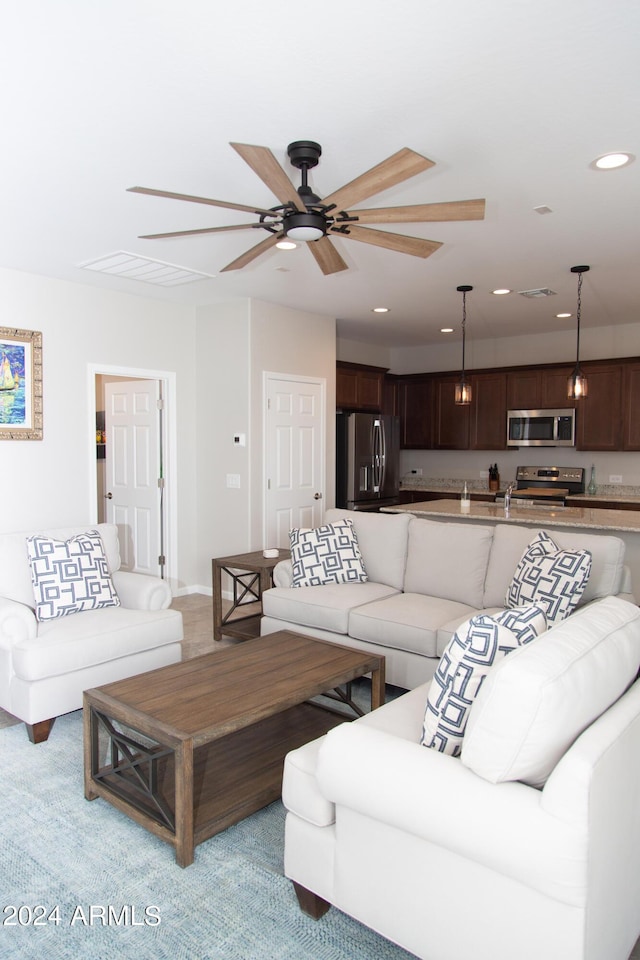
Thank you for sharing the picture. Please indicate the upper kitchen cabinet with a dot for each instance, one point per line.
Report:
(599, 423)
(631, 406)
(451, 420)
(359, 387)
(415, 402)
(538, 388)
(488, 411)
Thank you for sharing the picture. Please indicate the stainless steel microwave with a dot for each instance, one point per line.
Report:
(541, 428)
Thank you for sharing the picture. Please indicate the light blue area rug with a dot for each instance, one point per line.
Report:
(59, 850)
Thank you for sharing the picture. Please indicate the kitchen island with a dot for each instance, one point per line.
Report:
(620, 523)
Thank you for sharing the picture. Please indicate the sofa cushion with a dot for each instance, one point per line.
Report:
(477, 646)
(510, 542)
(448, 560)
(382, 538)
(69, 576)
(326, 554)
(554, 579)
(326, 607)
(405, 621)
(534, 703)
(93, 637)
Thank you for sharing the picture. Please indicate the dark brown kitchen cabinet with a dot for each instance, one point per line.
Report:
(451, 420)
(598, 415)
(631, 406)
(524, 389)
(359, 387)
(488, 412)
(415, 402)
(539, 388)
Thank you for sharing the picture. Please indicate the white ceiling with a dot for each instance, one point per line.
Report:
(512, 99)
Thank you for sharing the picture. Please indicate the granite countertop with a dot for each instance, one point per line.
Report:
(610, 492)
(593, 518)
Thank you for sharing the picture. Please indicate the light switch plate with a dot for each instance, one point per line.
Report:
(233, 480)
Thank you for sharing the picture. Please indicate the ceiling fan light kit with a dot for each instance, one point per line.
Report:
(303, 216)
(577, 386)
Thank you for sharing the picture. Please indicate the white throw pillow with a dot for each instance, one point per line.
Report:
(535, 703)
(69, 576)
(476, 646)
(551, 578)
(326, 554)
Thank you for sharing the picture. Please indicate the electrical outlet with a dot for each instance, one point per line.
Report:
(233, 480)
(484, 474)
(417, 471)
(615, 478)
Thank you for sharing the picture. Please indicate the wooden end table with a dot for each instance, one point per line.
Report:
(251, 574)
(189, 749)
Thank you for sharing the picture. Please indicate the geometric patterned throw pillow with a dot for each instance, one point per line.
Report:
(326, 554)
(476, 646)
(554, 579)
(70, 575)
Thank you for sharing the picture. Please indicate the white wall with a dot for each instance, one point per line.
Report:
(237, 343)
(49, 483)
(596, 343)
(354, 351)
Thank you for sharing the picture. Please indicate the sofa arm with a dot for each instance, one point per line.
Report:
(17, 623)
(432, 796)
(283, 574)
(139, 591)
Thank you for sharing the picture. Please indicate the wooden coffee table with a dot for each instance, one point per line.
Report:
(189, 749)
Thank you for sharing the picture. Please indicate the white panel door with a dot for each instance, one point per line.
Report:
(132, 469)
(294, 436)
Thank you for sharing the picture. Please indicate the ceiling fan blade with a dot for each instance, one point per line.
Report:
(424, 212)
(264, 164)
(253, 253)
(393, 241)
(195, 233)
(402, 165)
(326, 256)
(185, 196)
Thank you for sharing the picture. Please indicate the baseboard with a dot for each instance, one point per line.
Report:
(193, 588)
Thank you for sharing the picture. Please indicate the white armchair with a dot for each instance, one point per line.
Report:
(46, 666)
(416, 845)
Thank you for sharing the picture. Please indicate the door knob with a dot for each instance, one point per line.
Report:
(108, 496)
(317, 496)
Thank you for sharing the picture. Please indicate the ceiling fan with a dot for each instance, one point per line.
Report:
(301, 215)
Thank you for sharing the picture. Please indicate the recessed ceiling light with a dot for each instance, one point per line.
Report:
(286, 245)
(562, 316)
(380, 310)
(611, 161)
(446, 329)
(501, 292)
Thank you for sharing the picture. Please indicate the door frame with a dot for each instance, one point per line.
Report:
(267, 377)
(169, 437)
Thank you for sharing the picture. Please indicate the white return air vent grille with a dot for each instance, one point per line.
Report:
(535, 294)
(133, 267)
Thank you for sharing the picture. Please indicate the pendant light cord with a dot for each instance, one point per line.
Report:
(578, 311)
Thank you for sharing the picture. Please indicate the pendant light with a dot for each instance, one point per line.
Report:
(463, 387)
(577, 386)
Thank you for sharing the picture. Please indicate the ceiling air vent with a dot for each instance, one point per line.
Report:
(536, 294)
(133, 267)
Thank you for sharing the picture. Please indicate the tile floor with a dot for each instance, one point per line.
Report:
(197, 615)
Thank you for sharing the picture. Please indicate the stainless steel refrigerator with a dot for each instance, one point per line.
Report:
(367, 460)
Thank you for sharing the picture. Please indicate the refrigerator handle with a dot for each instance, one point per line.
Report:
(378, 454)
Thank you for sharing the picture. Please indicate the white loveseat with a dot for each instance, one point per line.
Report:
(419, 846)
(45, 666)
(425, 578)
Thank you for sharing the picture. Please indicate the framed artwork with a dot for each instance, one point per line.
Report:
(20, 384)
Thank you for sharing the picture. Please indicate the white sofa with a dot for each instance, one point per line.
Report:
(420, 847)
(45, 666)
(425, 578)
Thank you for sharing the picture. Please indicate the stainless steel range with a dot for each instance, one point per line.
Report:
(539, 485)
